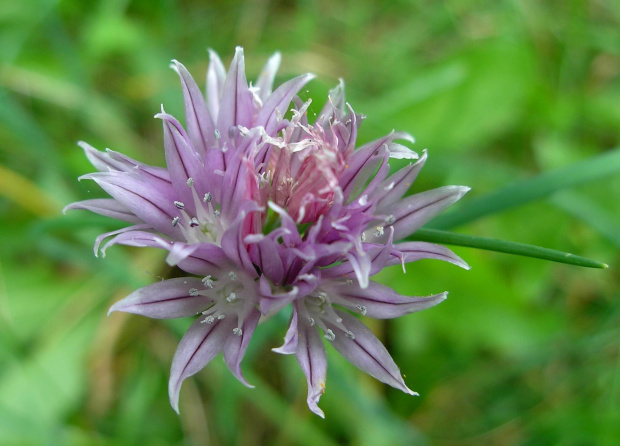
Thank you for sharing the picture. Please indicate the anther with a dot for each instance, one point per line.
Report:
(390, 219)
(208, 320)
(322, 296)
(207, 281)
(237, 331)
(217, 134)
(175, 221)
(349, 282)
(350, 335)
(216, 213)
(231, 297)
(379, 232)
(362, 309)
(193, 292)
(221, 316)
(232, 275)
(190, 182)
(311, 321)
(363, 236)
(329, 335)
(179, 205)
(194, 222)
(208, 197)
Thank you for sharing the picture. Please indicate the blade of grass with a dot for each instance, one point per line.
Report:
(531, 189)
(489, 244)
(590, 212)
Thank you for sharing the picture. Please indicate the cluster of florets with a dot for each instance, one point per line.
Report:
(265, 212)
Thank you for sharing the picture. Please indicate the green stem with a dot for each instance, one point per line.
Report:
(489, 244)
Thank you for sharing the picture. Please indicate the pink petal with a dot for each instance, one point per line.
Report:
(168, 299)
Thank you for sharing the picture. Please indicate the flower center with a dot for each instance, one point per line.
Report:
(203, 227)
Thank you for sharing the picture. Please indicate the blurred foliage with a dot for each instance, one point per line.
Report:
(523, 351)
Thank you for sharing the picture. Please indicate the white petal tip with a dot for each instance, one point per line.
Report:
(318, 412)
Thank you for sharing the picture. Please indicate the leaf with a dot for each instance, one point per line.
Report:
(521, 192)
(489, 244)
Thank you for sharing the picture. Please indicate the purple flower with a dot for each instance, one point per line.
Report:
(265, 212)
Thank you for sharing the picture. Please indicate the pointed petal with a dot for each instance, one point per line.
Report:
(414, 211)
(366, 352)
(378, 301)
(266, 256)
(107, 207)
(201, 343)
(132, 236)
(100, 160)
(270, 303)
(145, 199)
(313, 362)
(206, 259)
(180, 251)
(236, 106)
(236, 345)
(361, 165)
(267, 75)
(197, 117)
(168, 299)
(239, 182)
(276, 106)
(412, 251)
(290, 338)
(397, 185)
(379, 256)
(233, 240)
(216, 76)
(182, 161)
(334, 105)
(113, 161)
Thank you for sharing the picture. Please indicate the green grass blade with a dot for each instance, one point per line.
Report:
(532, 189)
(489, 244)
(590, 212)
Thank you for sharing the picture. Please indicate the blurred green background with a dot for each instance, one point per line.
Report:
(524, 352)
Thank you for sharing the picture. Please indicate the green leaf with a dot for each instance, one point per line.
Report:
(489, 244)
(540, 186)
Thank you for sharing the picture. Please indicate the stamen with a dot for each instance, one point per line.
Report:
(311, 320)
(232, 275)
(362, 309)
(349, 282)
(237, 331)
(217, 134)
(208, 197)
(194, 222)
(207, 281)
(190, 182)
(329, 335)
(379, 232)
(390, 219)
(179, 205)
(221, 316)
(322, 296)
(363, 236)
(193, 292)
(208, 320)
(175, 221)
(349, 334)
(216, 213)
(231, 297)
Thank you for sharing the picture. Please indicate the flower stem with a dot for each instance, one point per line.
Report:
(489, 244)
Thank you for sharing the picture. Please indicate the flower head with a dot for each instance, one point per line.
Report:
(265, 212)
